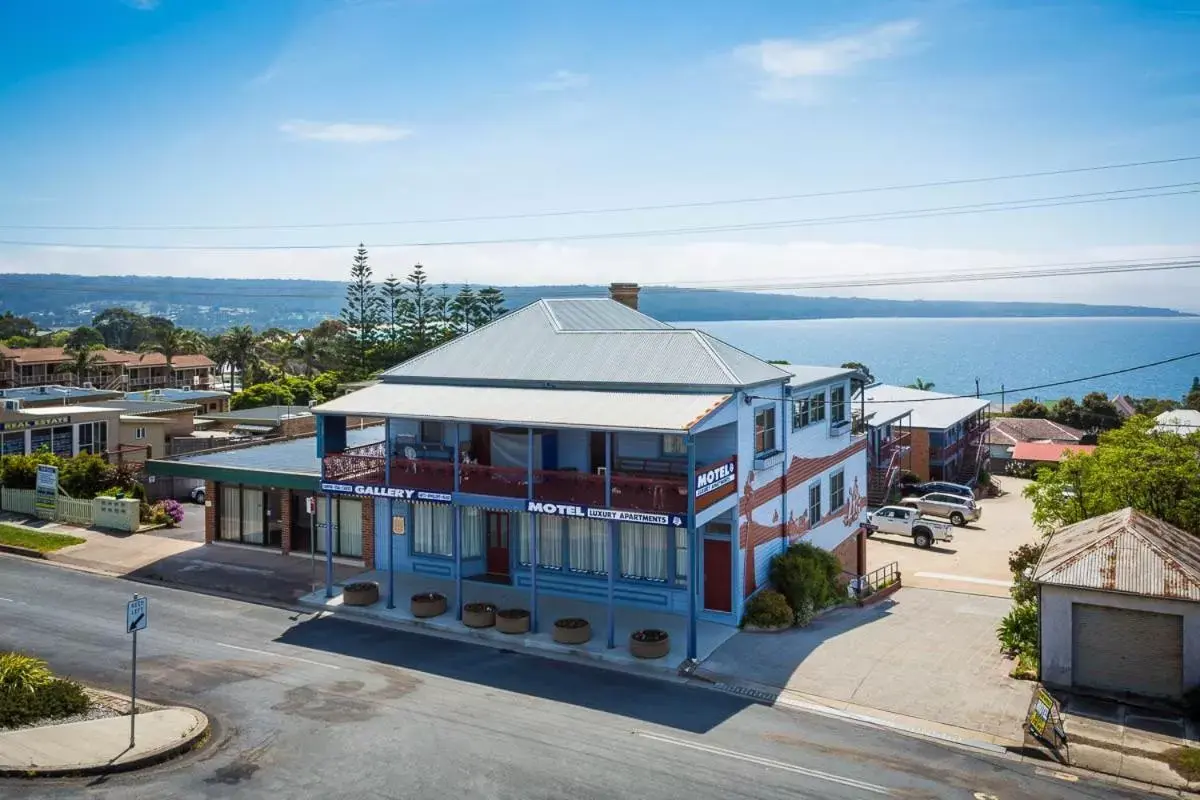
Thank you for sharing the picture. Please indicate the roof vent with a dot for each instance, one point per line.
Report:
(625, 293)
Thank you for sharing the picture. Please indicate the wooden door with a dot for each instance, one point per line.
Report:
(718, 582)
(596, 450)
(497, 542)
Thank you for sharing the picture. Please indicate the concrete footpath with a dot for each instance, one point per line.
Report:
(100, 745)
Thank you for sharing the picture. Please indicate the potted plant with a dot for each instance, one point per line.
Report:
(479, 615)
(361, 593)
(512, 620)
(428, 604)
(572, 630)
(649, 643)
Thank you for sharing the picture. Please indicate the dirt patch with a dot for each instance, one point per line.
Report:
(243, 767)
(324, 705)
(1185, 761)
(197, 677)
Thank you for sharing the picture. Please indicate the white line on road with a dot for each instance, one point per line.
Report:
(276, 655)
(942, 576)
(764, 762)
(5, 599)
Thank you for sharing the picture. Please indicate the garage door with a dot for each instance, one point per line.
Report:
(1118, 650)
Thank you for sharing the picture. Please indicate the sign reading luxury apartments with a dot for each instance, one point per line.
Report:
(607, 514)
(715, 482)
(386, 492)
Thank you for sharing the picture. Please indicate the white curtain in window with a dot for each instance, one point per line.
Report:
(349, 533)
(231, 514)
(644, 551)
(472, 532)
(586, 545)
(433, 529)
(252, 516)
(681, 554)
(550, 539)
(322, 524)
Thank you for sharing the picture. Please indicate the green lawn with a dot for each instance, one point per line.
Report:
(36, 540)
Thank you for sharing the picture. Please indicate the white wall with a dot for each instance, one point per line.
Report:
(1056, 602)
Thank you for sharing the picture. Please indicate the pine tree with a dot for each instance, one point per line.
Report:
(363, 310)
(464, 310)
(445, 316)
(491, 303)
(392, 297)
(419, 311)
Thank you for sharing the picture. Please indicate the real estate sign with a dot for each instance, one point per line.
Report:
(45, 495)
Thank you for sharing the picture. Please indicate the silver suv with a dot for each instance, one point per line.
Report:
(959, 510)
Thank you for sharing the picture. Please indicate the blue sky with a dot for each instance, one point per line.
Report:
(126, 113)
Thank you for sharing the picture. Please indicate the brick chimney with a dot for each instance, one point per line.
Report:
(625, 293)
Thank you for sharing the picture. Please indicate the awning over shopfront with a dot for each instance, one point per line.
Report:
(530, 408)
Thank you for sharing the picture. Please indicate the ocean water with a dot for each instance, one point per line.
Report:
(1008, 353)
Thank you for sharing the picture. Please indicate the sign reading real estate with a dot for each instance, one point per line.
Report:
(607, 514)
(386, 492)
(1045, 721)
(26, 424)
(715, 482)
(45, 494)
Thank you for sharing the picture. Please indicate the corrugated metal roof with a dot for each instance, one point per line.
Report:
(803, 375)
(1125, 551)
(1183, 422)
(547, 342)
(295, 456)
(932, 410)
(274, 414)
(550, 408)
(146, 406)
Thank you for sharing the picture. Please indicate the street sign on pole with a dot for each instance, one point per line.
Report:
(136, 619)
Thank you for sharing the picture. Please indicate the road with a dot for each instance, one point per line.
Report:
(321, 707)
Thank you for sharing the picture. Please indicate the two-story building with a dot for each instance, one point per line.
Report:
(113, 370)
(582, 449)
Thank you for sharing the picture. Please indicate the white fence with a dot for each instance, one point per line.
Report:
(104, 512)
(18, 501)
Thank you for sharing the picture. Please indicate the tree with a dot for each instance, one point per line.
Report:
(239, 349)
(84, 361)
(465, 310)
(1133, 466)
(1067, 412)
(84, 336)
(491, 305)
(395, 305)
(1192, 399)
(1097, 411)
(443, 316)
(363, 310)
(262, 394)
(1153, 406)
(169, 342)
(1030, 409)
(121, 328)
(419, 311)
(11, 325)
(925, 386)
(861, 367)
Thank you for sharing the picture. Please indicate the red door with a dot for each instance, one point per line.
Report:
(497, 543)
(718, 588)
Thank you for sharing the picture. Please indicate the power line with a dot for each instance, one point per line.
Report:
(618, 209)
(1085, 198)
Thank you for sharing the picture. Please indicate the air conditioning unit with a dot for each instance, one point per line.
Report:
(89, 385)
(12, 404)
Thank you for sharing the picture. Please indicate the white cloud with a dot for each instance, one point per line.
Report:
(792, 65)
(347, 132)
(561, 81)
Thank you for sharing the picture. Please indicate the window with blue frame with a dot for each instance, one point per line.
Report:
(764, 430)
(550, 541)
(837, 490)
(814, 503)
(673, 444)
(433, 530)
(837, 405)
(808, 411)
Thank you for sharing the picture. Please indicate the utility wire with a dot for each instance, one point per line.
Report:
(618, 209)
(1085, 198)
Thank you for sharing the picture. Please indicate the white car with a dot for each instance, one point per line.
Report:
(905, 521)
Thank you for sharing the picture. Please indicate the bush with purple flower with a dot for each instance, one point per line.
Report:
(174, 512)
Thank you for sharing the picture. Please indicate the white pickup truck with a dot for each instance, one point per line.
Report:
(902, 521)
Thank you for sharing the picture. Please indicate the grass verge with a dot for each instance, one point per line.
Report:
(43, 542)
(1185, 761)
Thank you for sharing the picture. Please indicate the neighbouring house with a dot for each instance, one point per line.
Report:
(1005, 433)
(1119, 605)
(260, 422)
(945, 434)
(889, 446)
(177, 421)
(1036, 453)
(54, 395)
(578, 448)
(118, 369)
(207, 400)
(1124, 405)
(64, 431)
(1182, 422)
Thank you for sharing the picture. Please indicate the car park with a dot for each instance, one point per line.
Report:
(944, 487)
(959, 510)
(904, 521)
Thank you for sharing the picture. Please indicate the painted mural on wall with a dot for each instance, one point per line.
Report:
(759, 512)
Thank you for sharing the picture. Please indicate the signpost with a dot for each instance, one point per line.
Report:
(310, 505)
(136, 619)
(45, 498)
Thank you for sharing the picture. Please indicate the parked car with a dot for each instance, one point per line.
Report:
(959, 510)
(903, 521)
(197, 495)
(929, 487)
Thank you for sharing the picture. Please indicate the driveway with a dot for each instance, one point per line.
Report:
(927, 654)
(976, 562)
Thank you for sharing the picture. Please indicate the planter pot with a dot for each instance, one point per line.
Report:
(479, 615)
(512, 620)
(649, 644)
(360, 594)
(572, 630)
(426, 605)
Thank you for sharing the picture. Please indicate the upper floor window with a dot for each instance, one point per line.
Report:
(837, 405)
(764, 430)
(837, 490)
(673, 444)
(814, 503)
(139, 433)
(808, 411)
(432, 432)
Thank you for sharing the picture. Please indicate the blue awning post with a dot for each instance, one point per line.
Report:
(457, 523)
(612, 543)
(693, 560)
(533, 538)
(328, 545)
(387, 479)
(788, 410)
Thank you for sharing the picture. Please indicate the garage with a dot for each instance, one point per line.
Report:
(1122, 650)
(1119, 608)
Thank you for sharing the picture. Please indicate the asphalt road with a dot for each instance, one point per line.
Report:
(327, 708)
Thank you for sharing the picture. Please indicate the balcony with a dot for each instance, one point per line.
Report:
(897, 445)
(665, 494)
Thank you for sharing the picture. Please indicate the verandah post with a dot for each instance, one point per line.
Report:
(387, 479)
(612, 543)
(456, 511)
(693, 561)
(533, 537)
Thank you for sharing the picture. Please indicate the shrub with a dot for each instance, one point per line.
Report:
(1021, 560)
(808, 577)
(23, 673)
(1018, 631)
(57, 698)
(768, 609)
(173, 510)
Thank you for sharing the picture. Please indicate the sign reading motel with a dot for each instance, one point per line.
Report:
(715, 482)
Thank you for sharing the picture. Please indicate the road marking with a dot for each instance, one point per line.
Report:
(1062, 776)
(942, 576)
(765, 762)
(276, 655)
(5, 599)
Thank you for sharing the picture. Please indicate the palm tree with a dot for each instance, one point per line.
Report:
(241, 351)
(312, 351)
(922, 385)
(169, 342)
(83, 361)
